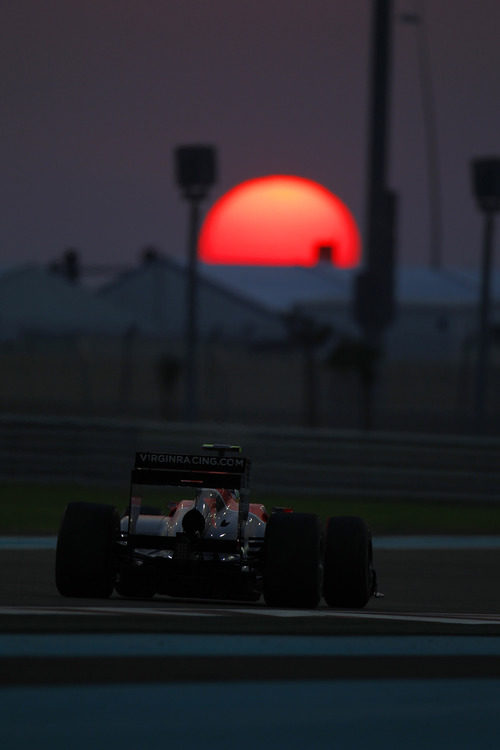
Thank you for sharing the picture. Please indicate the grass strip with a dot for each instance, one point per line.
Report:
(38, 509)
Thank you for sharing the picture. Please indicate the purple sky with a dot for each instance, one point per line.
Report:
(97, 94)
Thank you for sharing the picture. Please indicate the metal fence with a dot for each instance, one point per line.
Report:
(319, 462)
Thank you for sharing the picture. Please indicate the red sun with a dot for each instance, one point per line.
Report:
(279, 221)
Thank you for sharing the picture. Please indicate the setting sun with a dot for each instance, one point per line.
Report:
(281, 221)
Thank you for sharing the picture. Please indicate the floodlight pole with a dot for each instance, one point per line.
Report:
(374, 284)
(191, 404)
(483, 351)
(195, 168)
(486, 187)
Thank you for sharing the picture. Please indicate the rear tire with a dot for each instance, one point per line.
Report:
(348, 573)
(84, 553)
(292, 560)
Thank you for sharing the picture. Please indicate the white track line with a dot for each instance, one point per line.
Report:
(442, 618)
(90, 611)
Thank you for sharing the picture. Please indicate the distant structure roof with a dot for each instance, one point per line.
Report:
(36, 301)
(450, 286)
(242, 303)
(155, 293)
(280, 288)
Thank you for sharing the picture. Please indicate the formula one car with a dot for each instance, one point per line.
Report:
(214, 543)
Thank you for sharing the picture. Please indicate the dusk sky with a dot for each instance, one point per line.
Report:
(96, 94)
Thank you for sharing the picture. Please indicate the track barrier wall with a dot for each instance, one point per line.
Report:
(320, 462)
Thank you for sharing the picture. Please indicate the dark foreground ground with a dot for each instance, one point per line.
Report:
(414, 582)
(419, 668)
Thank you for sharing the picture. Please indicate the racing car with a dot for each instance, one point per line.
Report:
(211, 542)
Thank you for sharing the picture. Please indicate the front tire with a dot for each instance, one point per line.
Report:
(349, 579)
(84, 554)
(292, 560)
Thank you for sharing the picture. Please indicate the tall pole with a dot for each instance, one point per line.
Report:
(373, 302)
(486, 186)
(195, 172)
(484, 322)
(428, 106)
(378, 127)
(431, 137)
(191, 405)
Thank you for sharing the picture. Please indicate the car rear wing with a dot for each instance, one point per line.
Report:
(188, 470)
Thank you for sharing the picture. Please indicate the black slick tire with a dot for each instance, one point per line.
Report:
(84, 553)
(348, 579)
(292, 560)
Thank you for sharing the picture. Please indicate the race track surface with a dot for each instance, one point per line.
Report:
(417, 668)
(425, 591)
